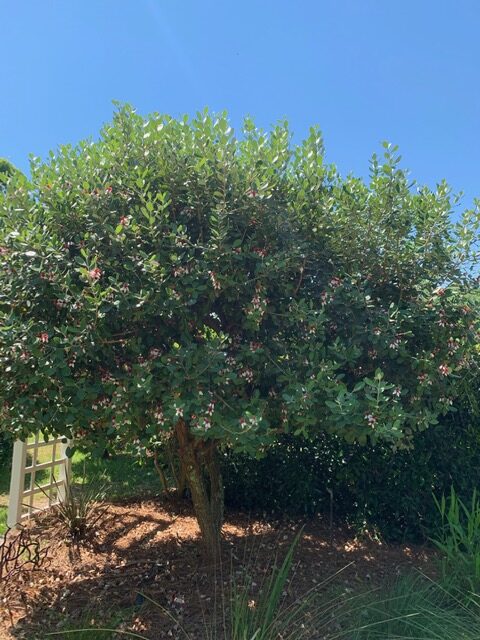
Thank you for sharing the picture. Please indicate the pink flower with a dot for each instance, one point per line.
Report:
(247, 374)
(335, 282)
(43, 337)
(215, 283)
(371, 419)
(444, 369)
(124, 221)
(394, 344)
(158, 415)
(210, 409)
(452, 346)
(95, 273)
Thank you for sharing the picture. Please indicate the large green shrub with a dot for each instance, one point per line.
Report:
(171, 278)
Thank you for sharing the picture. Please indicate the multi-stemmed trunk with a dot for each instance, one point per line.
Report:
(199, 462)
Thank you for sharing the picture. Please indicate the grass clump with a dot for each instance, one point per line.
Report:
(417, 608)
(458, 540)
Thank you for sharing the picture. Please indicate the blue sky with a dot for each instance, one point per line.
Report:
(363, 70)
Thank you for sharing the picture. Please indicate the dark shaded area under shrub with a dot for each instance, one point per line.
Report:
(370, 486)
(6, 449)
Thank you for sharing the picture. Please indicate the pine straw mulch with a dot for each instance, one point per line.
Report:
(151, 548)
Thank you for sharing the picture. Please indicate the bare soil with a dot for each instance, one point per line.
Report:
(151, 549)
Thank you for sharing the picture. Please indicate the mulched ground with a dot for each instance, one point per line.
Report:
(151, 549)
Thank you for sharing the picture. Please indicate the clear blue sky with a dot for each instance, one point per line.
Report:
(364, 70)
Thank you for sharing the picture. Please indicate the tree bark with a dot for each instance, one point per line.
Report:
(216, 487)
(199, 462)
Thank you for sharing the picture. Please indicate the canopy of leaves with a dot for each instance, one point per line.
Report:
(172, 270)
(7, 170)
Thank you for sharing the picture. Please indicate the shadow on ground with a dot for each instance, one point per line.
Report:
(151, 550)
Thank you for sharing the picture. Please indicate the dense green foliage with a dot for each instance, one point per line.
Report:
(6, 448)
(173, 279)
(7, 171)
(372, 487)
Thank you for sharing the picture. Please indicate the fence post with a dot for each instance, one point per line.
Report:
(16, 483)
(65, 474)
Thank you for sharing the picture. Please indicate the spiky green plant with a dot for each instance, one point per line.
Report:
(417, 608)
(81, 507)
(459, 540)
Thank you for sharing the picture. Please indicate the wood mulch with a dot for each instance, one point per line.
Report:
(150, 549)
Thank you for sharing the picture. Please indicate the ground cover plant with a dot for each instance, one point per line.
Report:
(174, 280)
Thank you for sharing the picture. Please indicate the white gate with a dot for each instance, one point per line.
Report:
(40, 473)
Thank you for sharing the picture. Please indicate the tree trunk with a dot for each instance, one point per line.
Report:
(216, 487)
(199, 462)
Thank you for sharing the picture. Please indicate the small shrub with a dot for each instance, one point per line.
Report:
(81, 509)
